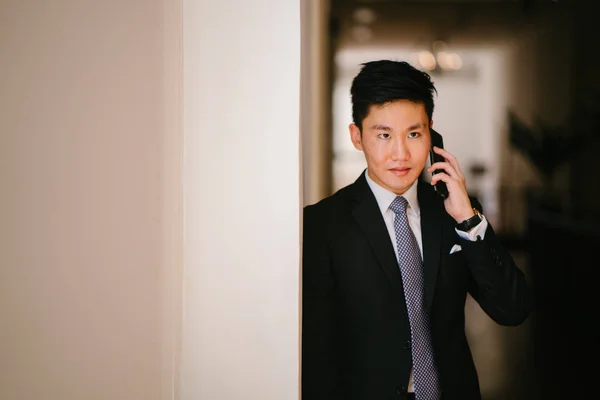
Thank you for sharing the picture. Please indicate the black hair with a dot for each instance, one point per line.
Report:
(383, 81)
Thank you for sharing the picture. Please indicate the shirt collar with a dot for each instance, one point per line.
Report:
(385, 197)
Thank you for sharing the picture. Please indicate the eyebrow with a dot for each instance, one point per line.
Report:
(418, 125)
(386, 128)
(378, 127)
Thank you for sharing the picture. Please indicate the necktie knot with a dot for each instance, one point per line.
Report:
(399, 204)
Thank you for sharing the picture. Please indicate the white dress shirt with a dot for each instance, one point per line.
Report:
(385, 197)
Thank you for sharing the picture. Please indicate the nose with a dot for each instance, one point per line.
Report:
(399, 150)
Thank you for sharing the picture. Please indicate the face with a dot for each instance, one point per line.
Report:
(396, 141)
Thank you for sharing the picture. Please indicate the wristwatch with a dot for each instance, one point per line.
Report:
(470, 223)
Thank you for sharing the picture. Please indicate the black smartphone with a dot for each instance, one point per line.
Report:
(436, 140)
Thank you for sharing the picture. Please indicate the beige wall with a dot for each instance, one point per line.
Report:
(85, 161)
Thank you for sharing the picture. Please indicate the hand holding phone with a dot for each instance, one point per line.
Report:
(436, 140)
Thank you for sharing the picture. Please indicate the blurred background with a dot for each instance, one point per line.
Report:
(155, 156)
(518, 106)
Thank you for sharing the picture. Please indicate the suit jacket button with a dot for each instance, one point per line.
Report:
(407, 345)
(401, 392)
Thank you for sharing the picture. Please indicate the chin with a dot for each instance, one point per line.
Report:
(396, 187)
(400, 185)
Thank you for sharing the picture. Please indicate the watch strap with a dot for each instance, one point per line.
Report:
(470, 223)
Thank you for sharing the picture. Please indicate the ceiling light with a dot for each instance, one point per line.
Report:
(364, 15)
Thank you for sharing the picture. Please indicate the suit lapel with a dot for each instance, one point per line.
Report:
(432, 218)
(369, 219)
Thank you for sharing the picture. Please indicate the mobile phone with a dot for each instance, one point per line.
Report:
(436, 140)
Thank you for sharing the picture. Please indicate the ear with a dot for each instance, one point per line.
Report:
(355, 136)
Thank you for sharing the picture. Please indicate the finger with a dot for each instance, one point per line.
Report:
(450, 181)
(457, 193)
(446, 167)
(452, 160)
(441, 176)
(449, 158)
(452, 184)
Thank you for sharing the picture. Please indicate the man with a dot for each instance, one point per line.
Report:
(388, 262)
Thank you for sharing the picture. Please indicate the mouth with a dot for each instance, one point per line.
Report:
(400, 171)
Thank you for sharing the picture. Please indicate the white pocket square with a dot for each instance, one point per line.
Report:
(455, 248)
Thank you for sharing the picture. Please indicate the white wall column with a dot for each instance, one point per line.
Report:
(242, 200)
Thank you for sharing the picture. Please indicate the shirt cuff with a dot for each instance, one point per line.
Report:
(478, 230)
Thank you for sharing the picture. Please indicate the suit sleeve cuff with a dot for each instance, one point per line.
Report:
(472, 235)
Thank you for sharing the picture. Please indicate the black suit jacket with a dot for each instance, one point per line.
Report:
(355, 329)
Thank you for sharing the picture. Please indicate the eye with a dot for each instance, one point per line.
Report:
(414, 134)
(383, 136)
